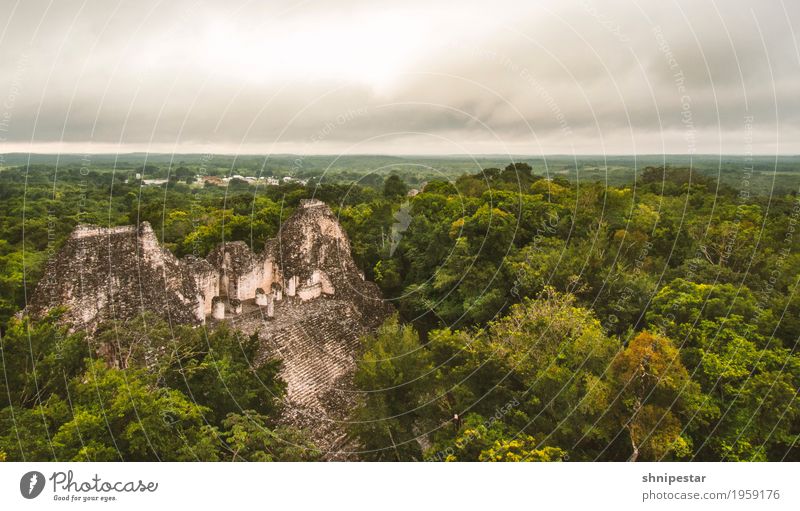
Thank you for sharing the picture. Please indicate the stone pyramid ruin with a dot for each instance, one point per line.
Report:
(303, 295)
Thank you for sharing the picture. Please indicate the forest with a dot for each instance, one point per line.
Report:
(539, 316)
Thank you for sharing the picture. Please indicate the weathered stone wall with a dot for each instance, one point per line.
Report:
(207, 283)
(119, 272)
(116, 273)
(310, 292)
(322, 278)
(241, 271)
(313, 248)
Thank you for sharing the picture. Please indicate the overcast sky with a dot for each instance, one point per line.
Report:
(411, 77)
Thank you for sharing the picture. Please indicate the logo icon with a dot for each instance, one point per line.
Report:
(402, 221)
(31, 484)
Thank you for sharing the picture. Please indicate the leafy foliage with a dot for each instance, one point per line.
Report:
(547, 310)
(154, 394)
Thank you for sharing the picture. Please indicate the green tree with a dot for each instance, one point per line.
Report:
(39, 358)
(394, 373)
(655, 394)
(394, 187)
(220, 369)
(249, 437)
(481, 439)
(111, 415)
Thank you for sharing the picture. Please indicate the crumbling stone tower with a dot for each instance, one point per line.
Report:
(120, 272)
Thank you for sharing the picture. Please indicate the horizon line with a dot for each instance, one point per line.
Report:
(396, 155)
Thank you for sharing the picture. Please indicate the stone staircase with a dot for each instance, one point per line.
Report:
(319, 346)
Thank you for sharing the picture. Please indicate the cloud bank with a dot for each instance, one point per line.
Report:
(318, 77)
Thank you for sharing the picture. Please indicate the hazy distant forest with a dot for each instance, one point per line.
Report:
(547, 310)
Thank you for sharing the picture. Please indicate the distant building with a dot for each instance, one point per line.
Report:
(213, 180)
(290, 179)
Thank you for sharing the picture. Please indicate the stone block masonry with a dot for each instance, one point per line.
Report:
(303, 295)
(105, 273)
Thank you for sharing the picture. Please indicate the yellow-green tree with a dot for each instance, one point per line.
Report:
(654, 394)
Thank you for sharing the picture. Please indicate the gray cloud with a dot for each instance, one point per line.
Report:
(421, 77)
